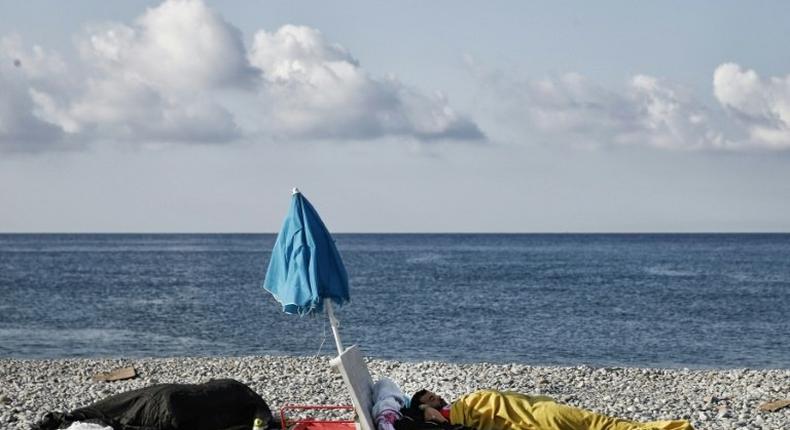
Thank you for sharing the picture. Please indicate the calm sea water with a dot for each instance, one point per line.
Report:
(614, 300)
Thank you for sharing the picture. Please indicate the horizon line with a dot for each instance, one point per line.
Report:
(394, 233)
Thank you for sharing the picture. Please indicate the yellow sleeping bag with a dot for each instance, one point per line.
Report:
(506, 410)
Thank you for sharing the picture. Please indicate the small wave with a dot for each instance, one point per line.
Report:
(768, 278)
(666, 271)
(425, 258)
(141, 302)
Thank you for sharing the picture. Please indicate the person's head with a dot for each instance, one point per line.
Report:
(425, 397)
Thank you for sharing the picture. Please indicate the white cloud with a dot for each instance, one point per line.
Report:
(319, 90)
(570, 103)
(761, 105)
(124, 108)
(181, 45)
(753, 113)
(181, 73)
(22, 128)
(668, 117)
(573, 110)
(155, 81)
(36, 63)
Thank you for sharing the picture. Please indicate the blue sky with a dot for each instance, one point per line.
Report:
(395, 117)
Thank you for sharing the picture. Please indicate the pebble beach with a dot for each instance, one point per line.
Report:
(710, 399)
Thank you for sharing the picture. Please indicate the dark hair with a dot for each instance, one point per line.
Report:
(415, 399)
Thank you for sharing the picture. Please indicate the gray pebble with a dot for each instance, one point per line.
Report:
(721, 399)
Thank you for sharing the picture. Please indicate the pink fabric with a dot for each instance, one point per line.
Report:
(386, 419)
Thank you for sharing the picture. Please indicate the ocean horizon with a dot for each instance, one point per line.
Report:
(601, 299)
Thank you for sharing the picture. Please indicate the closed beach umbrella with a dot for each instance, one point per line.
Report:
(305, 271)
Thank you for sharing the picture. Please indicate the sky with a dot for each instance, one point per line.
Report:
(411, 116)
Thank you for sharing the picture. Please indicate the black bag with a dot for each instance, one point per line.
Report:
(215, 405)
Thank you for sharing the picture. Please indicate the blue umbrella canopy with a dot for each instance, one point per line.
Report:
(305, 267)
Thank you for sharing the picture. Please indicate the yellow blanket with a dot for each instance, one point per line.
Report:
(505, 410)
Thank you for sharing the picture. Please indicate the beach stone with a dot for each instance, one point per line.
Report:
(719, 399)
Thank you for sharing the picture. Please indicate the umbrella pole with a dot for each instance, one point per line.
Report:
(334, 323)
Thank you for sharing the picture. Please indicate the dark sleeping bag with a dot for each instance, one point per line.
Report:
(222, 404)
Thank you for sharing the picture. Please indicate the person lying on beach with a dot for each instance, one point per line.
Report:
(219, 404)
(508, 410)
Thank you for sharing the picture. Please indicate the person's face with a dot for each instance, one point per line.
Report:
(432, 400)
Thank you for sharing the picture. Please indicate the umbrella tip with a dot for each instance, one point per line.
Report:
(295, 191)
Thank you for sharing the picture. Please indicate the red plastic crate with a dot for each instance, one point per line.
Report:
(316, 424)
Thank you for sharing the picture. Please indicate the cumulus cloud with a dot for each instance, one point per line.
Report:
(181, 73)
(155, 80)
(321, 91)
(761, 105)
(181, 45)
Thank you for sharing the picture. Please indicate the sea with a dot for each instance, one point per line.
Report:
(611, 300)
